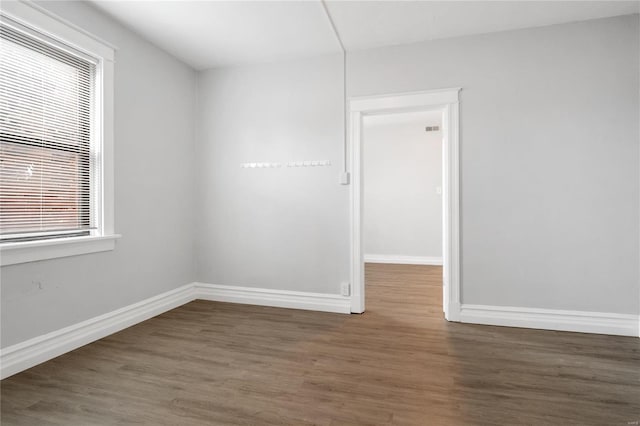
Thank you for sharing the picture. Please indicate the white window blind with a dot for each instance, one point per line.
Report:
(49, 169)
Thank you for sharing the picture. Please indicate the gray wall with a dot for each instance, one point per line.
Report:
(282, 228)
(154, 196)
(402, 168)
(549, 147)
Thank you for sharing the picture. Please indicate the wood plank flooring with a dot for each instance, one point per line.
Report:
(209, 363)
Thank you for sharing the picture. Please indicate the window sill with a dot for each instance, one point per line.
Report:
(31, 251)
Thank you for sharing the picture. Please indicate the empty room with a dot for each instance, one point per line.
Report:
(319, 212)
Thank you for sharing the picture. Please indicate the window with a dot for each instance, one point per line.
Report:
(48, 166)
(54, 134)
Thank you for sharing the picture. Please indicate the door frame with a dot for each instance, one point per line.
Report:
(447, 101)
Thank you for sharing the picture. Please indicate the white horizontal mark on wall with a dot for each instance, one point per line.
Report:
(289, 164)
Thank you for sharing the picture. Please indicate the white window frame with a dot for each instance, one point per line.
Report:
(102, 239)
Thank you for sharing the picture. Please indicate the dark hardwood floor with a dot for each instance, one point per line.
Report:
(399, 363)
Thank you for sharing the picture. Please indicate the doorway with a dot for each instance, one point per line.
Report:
(447, 103)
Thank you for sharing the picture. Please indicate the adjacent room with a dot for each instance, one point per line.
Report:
(402, 212)
(319, 212)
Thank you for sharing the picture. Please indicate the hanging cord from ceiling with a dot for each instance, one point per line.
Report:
(344, 82)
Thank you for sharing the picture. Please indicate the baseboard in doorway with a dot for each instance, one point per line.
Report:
(551, 319)
(276, 298)
(402, 260)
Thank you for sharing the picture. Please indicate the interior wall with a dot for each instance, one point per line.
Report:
(549, 165)
(550, 173)
(549, 153)
(283, 227)
(154, 197)
(402, 168)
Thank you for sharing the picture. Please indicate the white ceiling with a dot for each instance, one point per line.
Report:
(369, 24)
(207, 34)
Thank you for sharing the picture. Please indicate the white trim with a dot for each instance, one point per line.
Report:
(21, 356)
(275, 298)
(49, 25)
(400, 102)
(31, 251)
(107, 130)
(447, 101)
(29, 353)
(402, 260)
(551, 319)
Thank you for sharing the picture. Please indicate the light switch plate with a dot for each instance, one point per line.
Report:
(345, 289)
(345, 178)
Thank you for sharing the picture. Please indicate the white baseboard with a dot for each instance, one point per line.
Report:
(277, 298)
(402, 260)
(32, 352)
(29, 353)
(551, 319)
